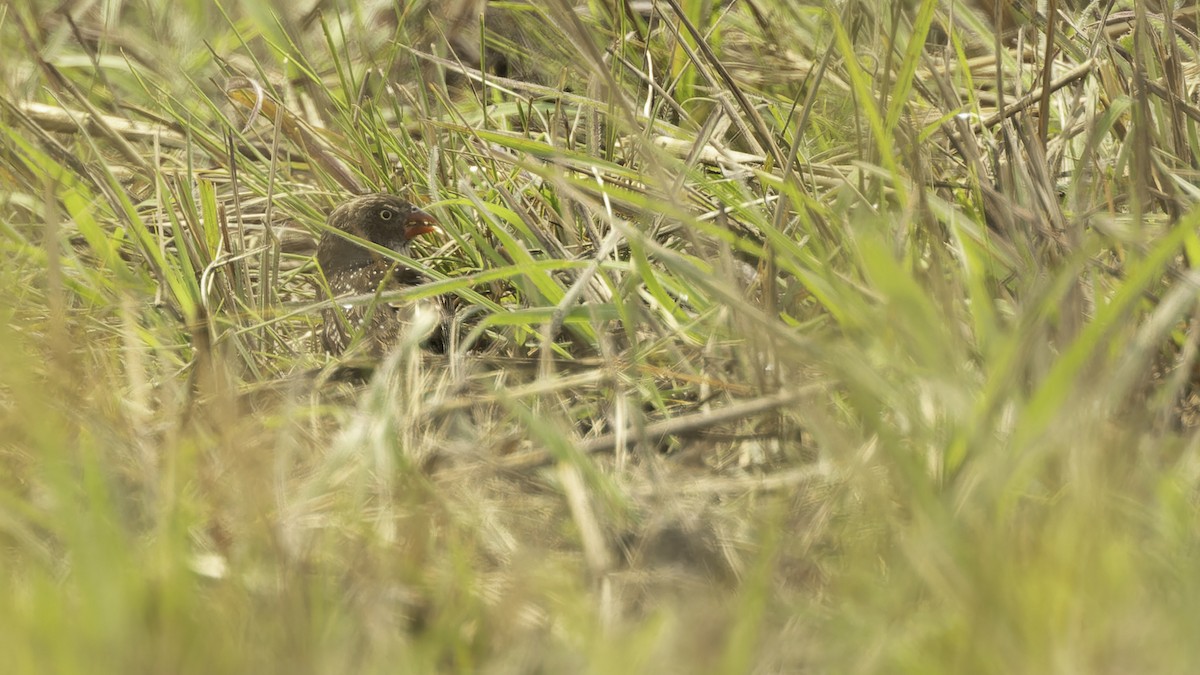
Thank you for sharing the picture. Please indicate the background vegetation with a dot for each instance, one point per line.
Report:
(791, 337)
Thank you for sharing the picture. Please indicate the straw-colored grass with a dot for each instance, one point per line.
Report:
(789, 337)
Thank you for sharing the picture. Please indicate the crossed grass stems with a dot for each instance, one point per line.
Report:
(867, 279)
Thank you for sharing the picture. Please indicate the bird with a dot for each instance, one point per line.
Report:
(352, 269)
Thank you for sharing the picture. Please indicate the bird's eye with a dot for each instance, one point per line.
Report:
(385, 214)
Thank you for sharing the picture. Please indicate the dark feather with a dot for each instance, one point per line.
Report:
(354, 270)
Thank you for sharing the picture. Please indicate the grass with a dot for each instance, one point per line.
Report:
(792, 338)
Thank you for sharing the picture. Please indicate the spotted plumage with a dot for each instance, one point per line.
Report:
(355, 270)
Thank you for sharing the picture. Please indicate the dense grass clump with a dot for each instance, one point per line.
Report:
(786, 337)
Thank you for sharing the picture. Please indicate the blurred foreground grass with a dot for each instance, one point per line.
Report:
(803, 346)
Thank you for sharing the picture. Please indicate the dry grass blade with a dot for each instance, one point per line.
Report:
(655, 432)
(775, 336)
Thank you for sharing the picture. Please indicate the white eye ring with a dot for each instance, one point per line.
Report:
(385, 214)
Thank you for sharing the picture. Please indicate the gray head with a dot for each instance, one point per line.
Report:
(381, 218)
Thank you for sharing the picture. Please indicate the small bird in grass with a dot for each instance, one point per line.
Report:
(355, 270)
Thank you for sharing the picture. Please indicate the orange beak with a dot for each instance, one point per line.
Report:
(419, 223)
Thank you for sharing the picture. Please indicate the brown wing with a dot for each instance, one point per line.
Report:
(381, 323)
(342, 323)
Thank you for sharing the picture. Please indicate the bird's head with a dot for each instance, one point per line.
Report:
(380, 218)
